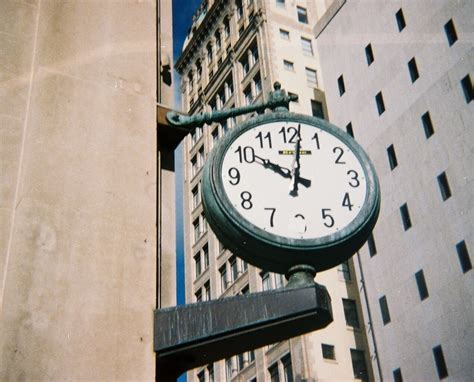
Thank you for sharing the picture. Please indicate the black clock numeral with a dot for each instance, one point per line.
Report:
(355, 178)
(326, 216)
(262, 138)
(316, 138)
(299, 216)
(235, 176)
(246, 154)
(246, 200)
(286, 133)
(272, 214)
(339, 150)
(346, 202)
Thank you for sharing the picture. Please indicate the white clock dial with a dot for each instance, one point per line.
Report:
(293, 180)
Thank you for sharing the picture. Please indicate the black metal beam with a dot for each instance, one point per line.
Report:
(197, 334)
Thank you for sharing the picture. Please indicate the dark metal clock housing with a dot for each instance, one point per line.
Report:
(273, 252)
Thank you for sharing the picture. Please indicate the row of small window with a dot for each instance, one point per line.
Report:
(306, 43)
(461, 247)
(359, 365)
(237, 363)
(248, 59)
(413, 71)
(301, 13)
(449, 27)
(440, 364)
(311, 74)
(230, 271)
(426, 123)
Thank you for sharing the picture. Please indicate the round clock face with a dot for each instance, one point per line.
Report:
(294, 180)
(285, 189)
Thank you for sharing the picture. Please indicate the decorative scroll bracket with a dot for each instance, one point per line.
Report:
(278, 100)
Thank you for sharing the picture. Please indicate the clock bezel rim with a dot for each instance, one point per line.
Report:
(214, 195)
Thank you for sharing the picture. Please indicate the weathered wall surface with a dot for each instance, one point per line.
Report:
(77, 190)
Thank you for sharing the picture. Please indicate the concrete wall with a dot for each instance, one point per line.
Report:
(446, 317)
(78, 190)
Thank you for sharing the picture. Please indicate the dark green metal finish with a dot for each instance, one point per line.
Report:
(277, 100)
(277, 253)
(198, 334)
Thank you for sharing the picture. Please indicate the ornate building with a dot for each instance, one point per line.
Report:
(234, 52)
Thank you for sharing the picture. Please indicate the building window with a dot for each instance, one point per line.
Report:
(207, 291)
(463, 256)
(228, 369)
(358, 365)
(284, 34)
(226, 28)
(405, 214)
(273, 371)
(201, 376)
(196, 229)
(371, 245)
(240, 9)
(217, 37)
(266, 284)
(392, 157)
(344, 271)
(196, 196)
(427, 124)
(341, 85)
(198, 295)
(328, 351)
(287, 368)
(248, 95)
(311, 77)
(205, 256)
(210, 372)
(421, 284)
(444, 186)
(258, 85)
(280, 3)
(413, 69)
(209, 53)
(223, 275)
(466, 85)
(302, 15)
(194, 165)
(198, 70)
(384, 310)
(233, 268)
(400, 20)
(397, 375)
(451, 34)
(380, 103)
(350, 312)
(369, 54)
(317, 109)
(349, 129)
(197, 264)
(307, 46)
(288, 65)
(440, 362)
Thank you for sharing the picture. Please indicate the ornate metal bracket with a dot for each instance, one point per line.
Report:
(278, 100)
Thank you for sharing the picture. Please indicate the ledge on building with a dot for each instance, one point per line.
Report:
(168, 136)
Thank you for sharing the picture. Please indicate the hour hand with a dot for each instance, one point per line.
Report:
(283, 171)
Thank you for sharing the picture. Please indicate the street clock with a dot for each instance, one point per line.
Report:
(284, 190)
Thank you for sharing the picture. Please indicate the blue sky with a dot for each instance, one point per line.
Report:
(183, 11)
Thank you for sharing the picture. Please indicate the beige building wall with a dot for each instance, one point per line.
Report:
(78, 190)
(440, 241)
(205, 85)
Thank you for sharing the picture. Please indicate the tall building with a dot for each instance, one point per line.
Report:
(81, 189)
(398, 76)
(234, 52)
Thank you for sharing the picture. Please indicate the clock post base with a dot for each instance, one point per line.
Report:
(300, 276)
